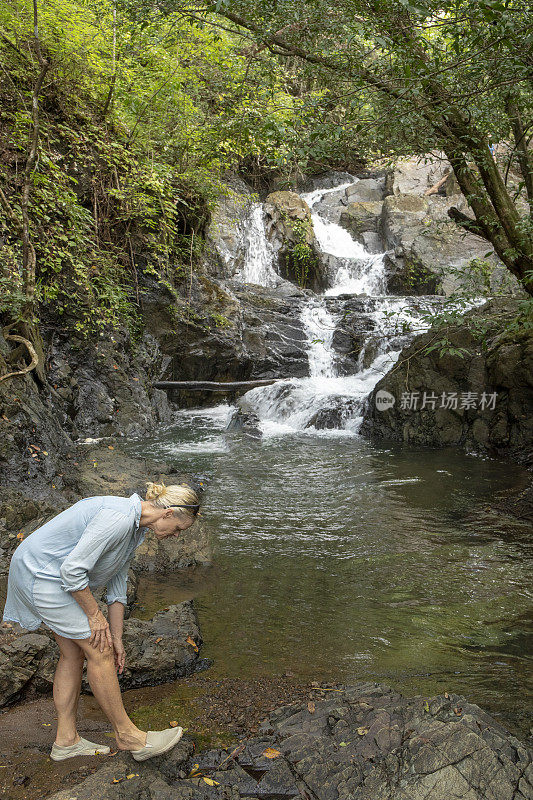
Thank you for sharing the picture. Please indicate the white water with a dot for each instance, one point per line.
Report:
(289, 406)
(258, 264)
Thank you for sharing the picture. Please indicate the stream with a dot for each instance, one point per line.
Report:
(341, 559)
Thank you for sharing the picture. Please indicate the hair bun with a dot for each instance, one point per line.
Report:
(154, 490)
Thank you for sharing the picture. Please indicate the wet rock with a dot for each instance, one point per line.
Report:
(225, 236)
(371, 242)
(481, 399)
(273, 337)
(290, 230)
(325, 180)
(158, 651)
(339, 411)
(244, 421)
(169, 555)
(365, 742)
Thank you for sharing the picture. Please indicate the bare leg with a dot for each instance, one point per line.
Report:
(67, 685)
(102, 677)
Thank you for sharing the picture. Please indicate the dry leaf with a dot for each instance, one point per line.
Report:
(20, 536)
(446, 695)
(311, 707)
(362, 731)
(211, 782)
(173, 724)
(117, 780)
(110, 447)
(191, 641)
(271, 752)
(132, 775)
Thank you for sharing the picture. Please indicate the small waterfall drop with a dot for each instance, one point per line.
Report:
(258, 266)
(319, 326)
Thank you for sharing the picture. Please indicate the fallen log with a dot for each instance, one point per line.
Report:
(213, 386)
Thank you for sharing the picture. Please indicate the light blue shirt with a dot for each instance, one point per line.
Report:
(89, 544)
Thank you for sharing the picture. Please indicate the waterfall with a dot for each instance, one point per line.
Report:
(325, 402)
(319, 325)
(258, 266)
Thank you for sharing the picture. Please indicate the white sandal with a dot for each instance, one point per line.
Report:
(158, 742)
(82, 748)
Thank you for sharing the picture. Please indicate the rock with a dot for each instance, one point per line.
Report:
(414, 176)
(290, 230)
(244, 421)
(372, 242)
(430, 254)
(325, 180)
(361, 217)
(335, 416)
(225, 236)
(496, 417)
(367, 742)
(367, 190)
(168, 555)
(20, 660)
(157, 649)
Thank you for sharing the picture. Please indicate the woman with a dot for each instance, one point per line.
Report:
(51, 575)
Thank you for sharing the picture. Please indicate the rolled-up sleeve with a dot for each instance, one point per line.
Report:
(103, 532)
(117, 587)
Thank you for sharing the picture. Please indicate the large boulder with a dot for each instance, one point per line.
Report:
(362, 217)
(289, 228)
(363, 741)
(478, 395)
(429, 254)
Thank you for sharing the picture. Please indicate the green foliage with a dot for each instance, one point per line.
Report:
(220, 320)
(144, 111)
(300, 256)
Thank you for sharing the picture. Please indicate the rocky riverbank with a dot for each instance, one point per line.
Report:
(477, 395)
(363, 741)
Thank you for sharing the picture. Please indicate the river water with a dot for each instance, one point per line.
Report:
(340, 559)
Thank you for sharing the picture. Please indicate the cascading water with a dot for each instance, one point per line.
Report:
(258, 266)
(327, 402)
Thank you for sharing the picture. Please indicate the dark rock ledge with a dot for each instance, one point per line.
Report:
(363, 742)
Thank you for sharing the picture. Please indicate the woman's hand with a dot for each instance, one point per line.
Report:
(120, 654)
(100, 633)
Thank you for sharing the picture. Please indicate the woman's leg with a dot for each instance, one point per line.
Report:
(102, 677)
(67, 685)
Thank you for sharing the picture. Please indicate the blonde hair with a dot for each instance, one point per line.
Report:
(162, 496)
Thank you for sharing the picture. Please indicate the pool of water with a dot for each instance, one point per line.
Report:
(339, 559)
